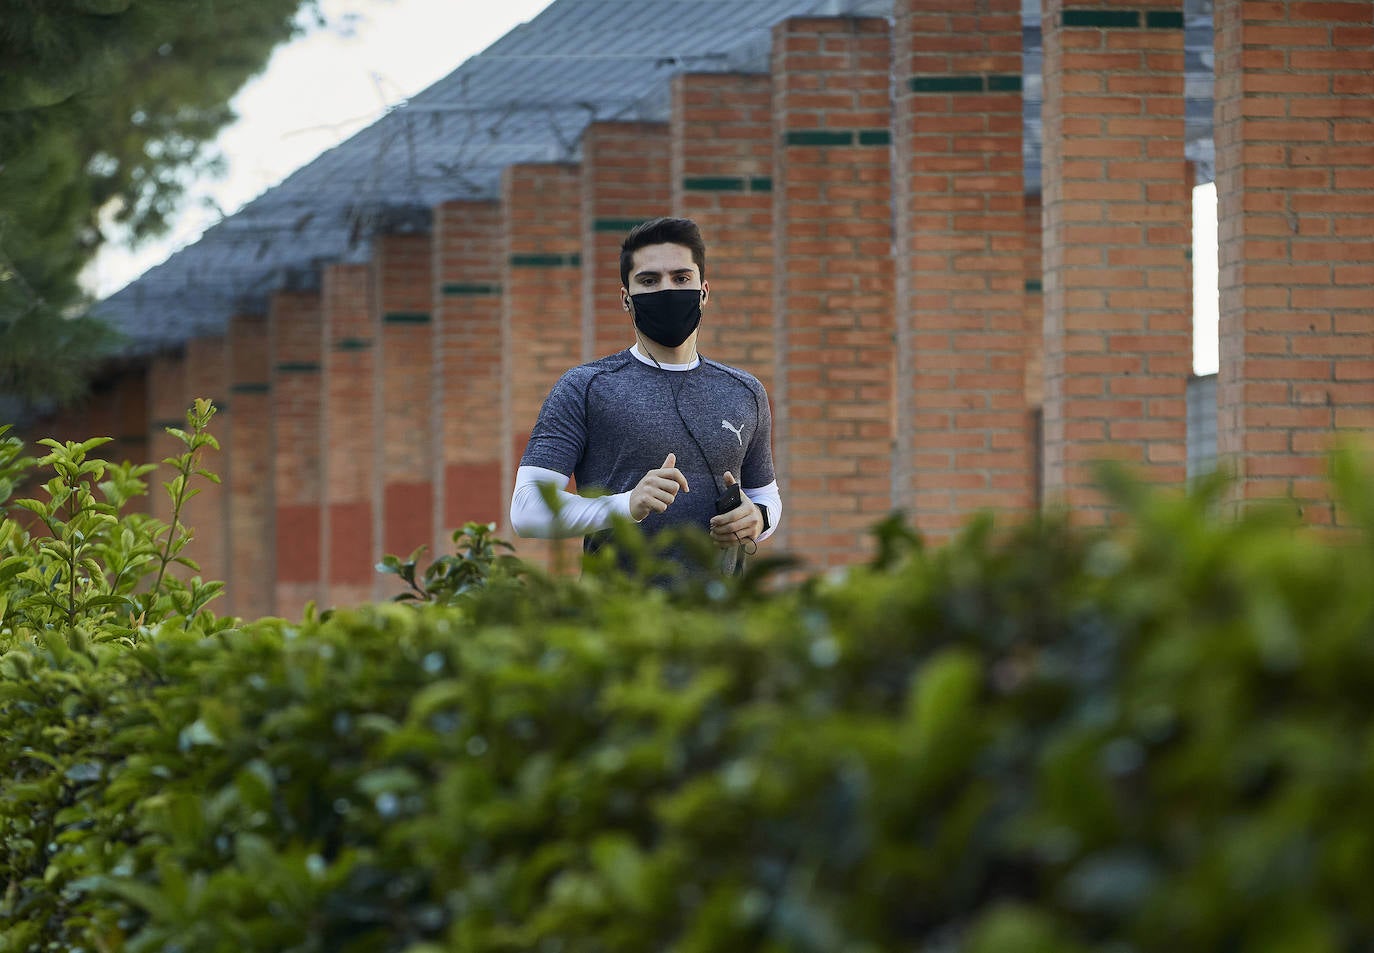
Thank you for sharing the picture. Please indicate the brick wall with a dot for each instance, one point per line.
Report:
(252, 509)
(722, 178)
(912, 384)
(403, 269)
(168, 398)
(1295, 184)
(294, 327)
(542, 263)
(207, 375)
(1117, 197)
(625, 169)
(833, 282)
(116, 406)
(1035, 343)
(467, 379)
(964, 443)
(348, 356)
(1034, 304)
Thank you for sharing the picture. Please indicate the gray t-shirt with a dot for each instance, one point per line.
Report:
(611, 421)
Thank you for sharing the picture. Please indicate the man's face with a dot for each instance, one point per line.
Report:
(657, 267)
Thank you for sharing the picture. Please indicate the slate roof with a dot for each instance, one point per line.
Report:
(526, 98)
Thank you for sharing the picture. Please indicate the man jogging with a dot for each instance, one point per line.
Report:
(669, 435)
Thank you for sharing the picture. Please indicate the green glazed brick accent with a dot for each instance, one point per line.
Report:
(820, 137)
(1033, 286)
(537, 261)
(251, 387)
(713, 184)
(465, 288)
(616, 224)
(353, 344)
(1101, 18)
(406, 317)
(954, 83)
(759, 183)
(1164, 19)
(1152, 19)
(298, 367)
(966, 83)
(545, 261)
(839, 137)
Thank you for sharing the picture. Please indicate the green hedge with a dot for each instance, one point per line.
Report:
(1158, 737)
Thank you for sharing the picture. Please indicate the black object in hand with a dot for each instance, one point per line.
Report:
(728, 500)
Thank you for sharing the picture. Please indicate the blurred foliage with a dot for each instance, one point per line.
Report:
(73, 563)
(1154, 737)
(476, 558)
(106, 107)
(81, 579)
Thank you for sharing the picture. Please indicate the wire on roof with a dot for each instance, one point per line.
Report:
(669, 58)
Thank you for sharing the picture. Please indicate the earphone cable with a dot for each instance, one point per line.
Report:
(748, 546)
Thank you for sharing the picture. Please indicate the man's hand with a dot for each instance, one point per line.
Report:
(656, 492)
(743, 522)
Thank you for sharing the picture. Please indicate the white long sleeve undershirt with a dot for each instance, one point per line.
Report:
(531, 517)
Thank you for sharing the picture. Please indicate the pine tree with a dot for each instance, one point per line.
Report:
(106, 109)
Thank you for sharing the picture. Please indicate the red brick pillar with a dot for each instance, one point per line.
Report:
(168, 399)
(118, 407)
(1117, 194)
(722, 178)
(1032, 252)
(402, 276)
(348, 458)
(832, 213)
(1295, 185)
(70, 422)
(294, 325)
(130, 411)
(207, 374)
(542, 267)
(625, 169)
(62, 424)
(963, 438)
(1035, 342)
(467, 380)
(252, 507)
(57, 425)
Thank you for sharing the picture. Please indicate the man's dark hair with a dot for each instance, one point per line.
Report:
(662, 231)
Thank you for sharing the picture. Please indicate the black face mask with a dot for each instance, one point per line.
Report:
(668, 317)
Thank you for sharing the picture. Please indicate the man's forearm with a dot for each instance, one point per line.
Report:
(531, 517)
(771, 497)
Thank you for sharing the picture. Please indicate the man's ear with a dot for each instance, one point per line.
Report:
(705, 292)
(624, 298)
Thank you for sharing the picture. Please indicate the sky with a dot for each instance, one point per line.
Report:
(333, 81)
(1205, 296)
(315, 92)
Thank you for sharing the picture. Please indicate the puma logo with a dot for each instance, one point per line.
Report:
(734, 430)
